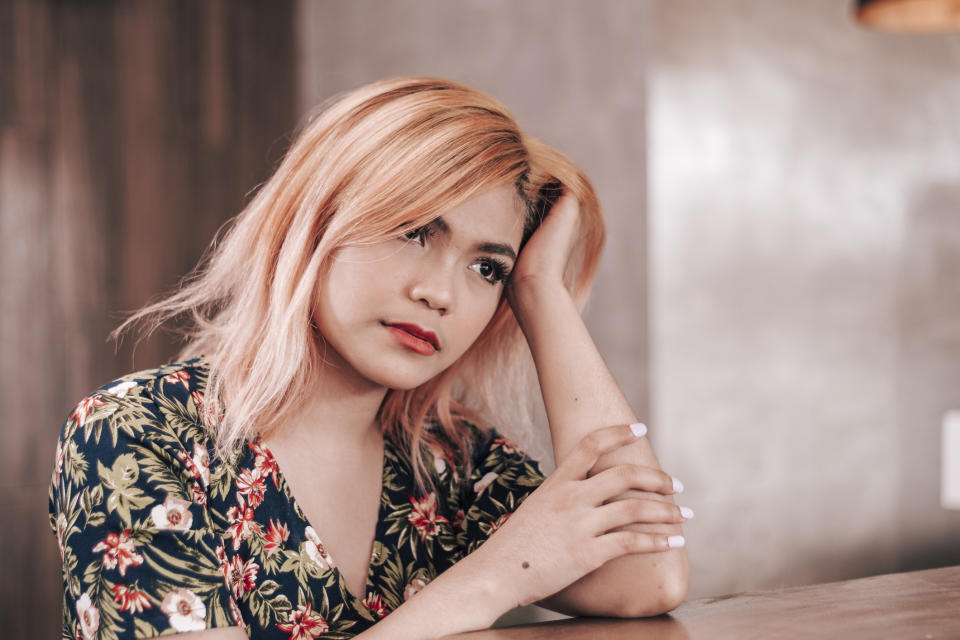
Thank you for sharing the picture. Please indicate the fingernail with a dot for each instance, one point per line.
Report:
(686, 512)
(675, 542)
(677, 486)
(639, 429)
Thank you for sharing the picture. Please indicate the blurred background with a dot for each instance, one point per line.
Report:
(780, 294)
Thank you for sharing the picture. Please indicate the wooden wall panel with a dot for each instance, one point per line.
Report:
(129, 132)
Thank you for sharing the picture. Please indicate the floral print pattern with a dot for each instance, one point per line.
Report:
(155, 538)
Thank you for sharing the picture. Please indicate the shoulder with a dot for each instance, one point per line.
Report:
(154, 410)
(492, 449)
(497, 459)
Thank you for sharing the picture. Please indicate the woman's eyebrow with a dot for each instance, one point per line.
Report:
(497, 248)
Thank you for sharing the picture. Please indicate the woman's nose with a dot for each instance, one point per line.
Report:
(433, 286)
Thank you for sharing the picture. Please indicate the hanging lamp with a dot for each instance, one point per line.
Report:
(910, 16)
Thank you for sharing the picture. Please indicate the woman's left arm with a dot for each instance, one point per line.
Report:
(580, 396)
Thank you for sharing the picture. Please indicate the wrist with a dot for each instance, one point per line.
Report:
(530, 294)
(466, 597)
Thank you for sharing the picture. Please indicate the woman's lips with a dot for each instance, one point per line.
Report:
(413, 337)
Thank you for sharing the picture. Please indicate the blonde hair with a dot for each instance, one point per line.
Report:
(393, 154)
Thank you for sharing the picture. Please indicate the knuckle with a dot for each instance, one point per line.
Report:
(625, 472)
(641, 510)
(638, 542)
(592, 443)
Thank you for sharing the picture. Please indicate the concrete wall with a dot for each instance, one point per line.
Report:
(804, 215)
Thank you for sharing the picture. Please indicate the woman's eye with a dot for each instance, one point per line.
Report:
(493, 271)
(418, 235)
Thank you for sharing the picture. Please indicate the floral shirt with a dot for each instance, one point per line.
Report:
(155, 539)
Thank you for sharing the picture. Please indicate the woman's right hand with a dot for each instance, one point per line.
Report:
(566, 528)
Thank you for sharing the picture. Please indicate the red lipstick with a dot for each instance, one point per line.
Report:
(413, 337)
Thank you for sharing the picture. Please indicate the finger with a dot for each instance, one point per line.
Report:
(614, 481)
(620, 543)
(639, 511)
(596, 444)
(565, 205)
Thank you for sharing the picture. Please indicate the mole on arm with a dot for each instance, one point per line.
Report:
(525, 565)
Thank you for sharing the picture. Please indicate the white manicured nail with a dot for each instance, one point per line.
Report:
(675, 542)
(639, 429)
(677, 486)
(686, 512)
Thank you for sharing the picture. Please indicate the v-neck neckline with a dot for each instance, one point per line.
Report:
(287, 491)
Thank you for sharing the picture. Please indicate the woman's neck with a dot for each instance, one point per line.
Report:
(339, 410)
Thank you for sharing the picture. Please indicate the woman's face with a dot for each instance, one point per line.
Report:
(399, 312)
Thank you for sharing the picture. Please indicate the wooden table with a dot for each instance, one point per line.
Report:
(919, 604)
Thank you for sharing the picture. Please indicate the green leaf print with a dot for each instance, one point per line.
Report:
(120, 479)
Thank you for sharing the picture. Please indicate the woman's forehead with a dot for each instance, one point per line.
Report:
(495, 215)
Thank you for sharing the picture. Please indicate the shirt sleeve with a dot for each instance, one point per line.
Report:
(127, 504)
(502, 477)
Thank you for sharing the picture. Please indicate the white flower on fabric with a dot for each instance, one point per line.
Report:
(59, 457)
(201, 459)
(484, 482)
(121, 388)
(173, 515)
(316, 550)
(88, 615)
(415, 585)
(185, 610)
(439, 463)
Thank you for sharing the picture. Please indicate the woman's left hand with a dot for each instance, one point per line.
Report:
(543, 258)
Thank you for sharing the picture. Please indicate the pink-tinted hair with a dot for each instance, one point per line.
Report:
(393, 154)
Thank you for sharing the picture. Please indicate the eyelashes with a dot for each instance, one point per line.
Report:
(420, 234)
(492, 270)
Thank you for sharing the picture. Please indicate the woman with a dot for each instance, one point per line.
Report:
(319, 458)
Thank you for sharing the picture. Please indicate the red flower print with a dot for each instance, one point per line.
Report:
(188, 464)
(507, 446)
(424, 515)
(198, 466)
(252, 486)
(180, 377)
(197, 398)
(240, 576)
(499, 523)
(83, 409)
(304, 624)
(130, 599)
(199, 495)
(264, 462)
(201, 462)
(210, 414)
(119, 551)
(242, 525)
(276, 535)
(237, 614)
(374, 602)
(458, 519)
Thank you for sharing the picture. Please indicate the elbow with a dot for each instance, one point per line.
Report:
(672, 594)
(668, 594)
